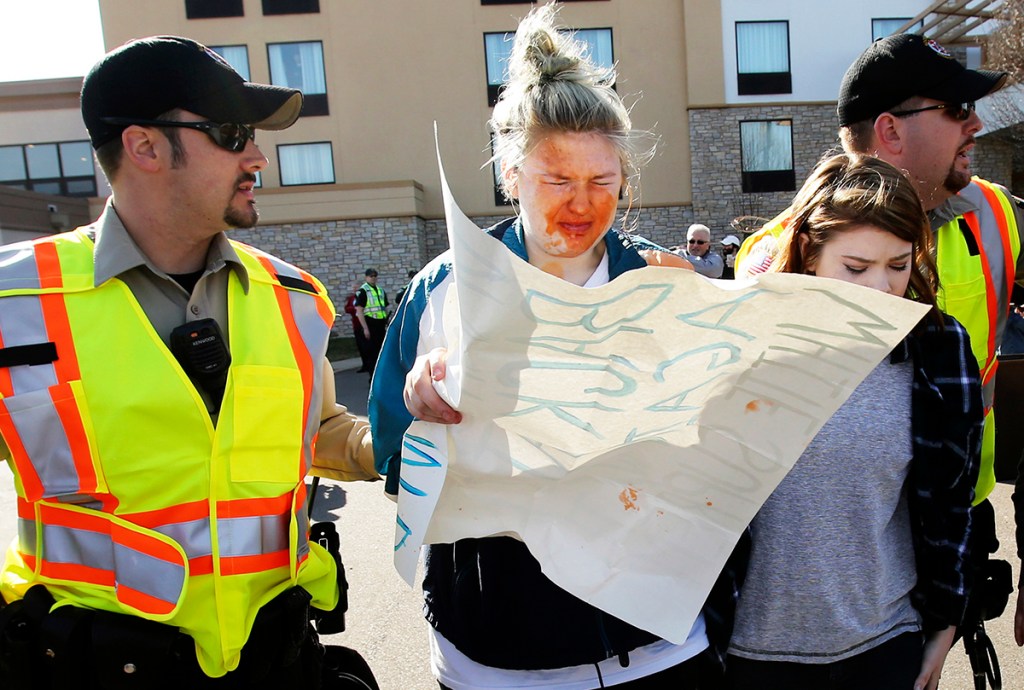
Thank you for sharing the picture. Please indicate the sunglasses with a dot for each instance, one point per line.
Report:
(957, 111)
(229, 135)
(696, 241)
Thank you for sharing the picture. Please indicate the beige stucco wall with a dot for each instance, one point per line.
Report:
(394, 68)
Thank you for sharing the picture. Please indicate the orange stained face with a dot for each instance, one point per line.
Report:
(866, 255)
(568, 191)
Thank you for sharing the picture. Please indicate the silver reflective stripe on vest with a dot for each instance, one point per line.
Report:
(193, 536)
(126, 566)
(253, 536)
(147, 574)
(27, 536)
(992, 239)
(21, 323)
(42, 433)
(18, 267)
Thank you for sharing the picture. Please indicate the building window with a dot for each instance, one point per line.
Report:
(880, 28)
(301, 66)
(306, 164)
(207, 9)
(599, 46)
(64, 168)
(236, 56)
(271, 7)
(498, 49)
(767, 155)
(762, 58)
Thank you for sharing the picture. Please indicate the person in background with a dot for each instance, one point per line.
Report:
(860, 567)
(372, 314)
(730, 243)
(567, 148)
(164, 391)
(401, 293)
(362, 344)
(699, 254)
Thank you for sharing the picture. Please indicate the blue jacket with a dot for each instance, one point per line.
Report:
(488, 596)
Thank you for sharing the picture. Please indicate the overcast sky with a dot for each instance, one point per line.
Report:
(46, 39)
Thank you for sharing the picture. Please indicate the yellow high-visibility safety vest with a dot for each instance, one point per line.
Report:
(973, 288)
(129, 499)
(375, 307)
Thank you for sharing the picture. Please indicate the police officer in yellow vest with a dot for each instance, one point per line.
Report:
(163, 393)
(909, 102)
(372, 313)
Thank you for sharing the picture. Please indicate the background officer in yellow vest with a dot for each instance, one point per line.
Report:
(372, 312)
(907, 101)
(163, 393)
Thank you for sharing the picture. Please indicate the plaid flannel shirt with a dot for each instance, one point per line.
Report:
(946, 426)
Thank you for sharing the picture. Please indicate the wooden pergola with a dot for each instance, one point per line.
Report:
(950, 22)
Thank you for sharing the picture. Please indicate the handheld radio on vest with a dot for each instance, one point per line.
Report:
(201, 351)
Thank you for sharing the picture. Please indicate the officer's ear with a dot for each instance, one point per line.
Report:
(889, 135)
(141, 147)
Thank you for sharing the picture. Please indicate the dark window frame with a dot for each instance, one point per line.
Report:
(30, 183)
(765, 181)
(280, 169)
(213, 9)
(764, 83)
(272, 8)
(313, 104)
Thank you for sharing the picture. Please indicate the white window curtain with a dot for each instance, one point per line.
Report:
(767, 146)
(599, 45)
(236, 56)
(762, 47)
(306, 164)
(298, 66)
(498, 48)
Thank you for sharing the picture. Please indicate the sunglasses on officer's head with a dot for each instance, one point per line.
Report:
(229, 135)
(957, 111)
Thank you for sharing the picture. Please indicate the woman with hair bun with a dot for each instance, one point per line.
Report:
(567, 150)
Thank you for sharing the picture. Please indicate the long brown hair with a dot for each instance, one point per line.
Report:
(851, 189)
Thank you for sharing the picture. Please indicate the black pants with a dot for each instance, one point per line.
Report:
(378, 329)
(698, 673)
(892, 665)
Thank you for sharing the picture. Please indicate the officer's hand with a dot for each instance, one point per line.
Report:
(1018, 620)
(421, 399)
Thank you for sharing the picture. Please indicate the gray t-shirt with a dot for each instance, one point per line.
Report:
(832, 563)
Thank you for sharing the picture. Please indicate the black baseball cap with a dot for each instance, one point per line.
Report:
(371, 272)
(902, 66)
(150, 76)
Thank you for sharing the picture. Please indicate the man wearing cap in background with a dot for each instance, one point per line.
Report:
(730, 243)
(698, 251)
(161, 388)
(908, 102)
(372, 312)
